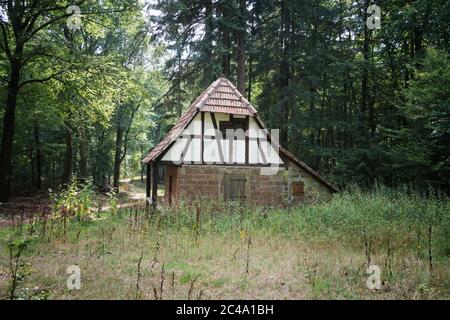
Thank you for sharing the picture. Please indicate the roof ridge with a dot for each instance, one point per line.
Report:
(241, 97)
(206, 94)
(214, 88)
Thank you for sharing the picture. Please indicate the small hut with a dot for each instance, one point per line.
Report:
(220, 149)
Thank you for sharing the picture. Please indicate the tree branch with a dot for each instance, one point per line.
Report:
(43, 26)
(125, 139)
(41, 80)
(5, 46)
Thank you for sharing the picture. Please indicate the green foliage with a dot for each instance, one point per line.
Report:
(113, 201)
(17, 268)
(424, 141)
(358, 105)
(77, 200)
(73, 83)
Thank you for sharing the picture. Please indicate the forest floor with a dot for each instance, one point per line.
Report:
(23, 207)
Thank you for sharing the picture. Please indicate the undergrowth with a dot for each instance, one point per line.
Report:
(209, 249)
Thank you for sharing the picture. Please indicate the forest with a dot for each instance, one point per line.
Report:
(359, 89)
(357, 105)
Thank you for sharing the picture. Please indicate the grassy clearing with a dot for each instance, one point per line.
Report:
(218, 251)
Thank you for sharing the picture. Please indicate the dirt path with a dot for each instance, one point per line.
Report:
(133, 189)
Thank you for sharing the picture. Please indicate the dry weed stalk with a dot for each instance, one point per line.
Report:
(139, 275)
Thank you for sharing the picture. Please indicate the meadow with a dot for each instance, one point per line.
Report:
(211, 250)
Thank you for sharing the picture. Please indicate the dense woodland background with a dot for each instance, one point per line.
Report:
(358, 105)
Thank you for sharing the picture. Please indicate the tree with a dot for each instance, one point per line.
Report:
(421, 146)
(241, 35)
(24, 30)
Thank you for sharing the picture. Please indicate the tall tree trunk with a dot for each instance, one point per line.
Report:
(224, 32)
(9, 126)
(179, 103)
(67, 168)
(250, 79)
(366, 114)
(83, 154)
(32, 167)
(250, 63)
(241, 47)
(284, 76)
(365, 74)
(372, 97)
(118, 155)
(142, 166)
(122, 142)
(99, 170)
(37, 142)
(53, 170)
(208, 76)
(255, 21)
(407, 75)
(226, 56)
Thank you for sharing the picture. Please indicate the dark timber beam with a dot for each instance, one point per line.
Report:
(264, 159)
(148, 186)
(247, 124)
(230, 144)
(186, 147)
(230, 151)
(218, 137)
(155, 184)
(202, 139)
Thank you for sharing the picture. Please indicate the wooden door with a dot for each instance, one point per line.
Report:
(234, 187)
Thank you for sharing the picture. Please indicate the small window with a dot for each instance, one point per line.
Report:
(234, 124)
(298, 188)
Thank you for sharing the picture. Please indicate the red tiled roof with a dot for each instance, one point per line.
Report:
(225, 98)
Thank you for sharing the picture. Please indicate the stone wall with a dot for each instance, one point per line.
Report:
(290, 185)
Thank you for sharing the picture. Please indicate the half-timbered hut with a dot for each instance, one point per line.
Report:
(219, 148)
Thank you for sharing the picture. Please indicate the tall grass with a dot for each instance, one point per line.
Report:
(232, 247)
(380, 216)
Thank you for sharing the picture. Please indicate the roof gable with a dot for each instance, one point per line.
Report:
(221, 97)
